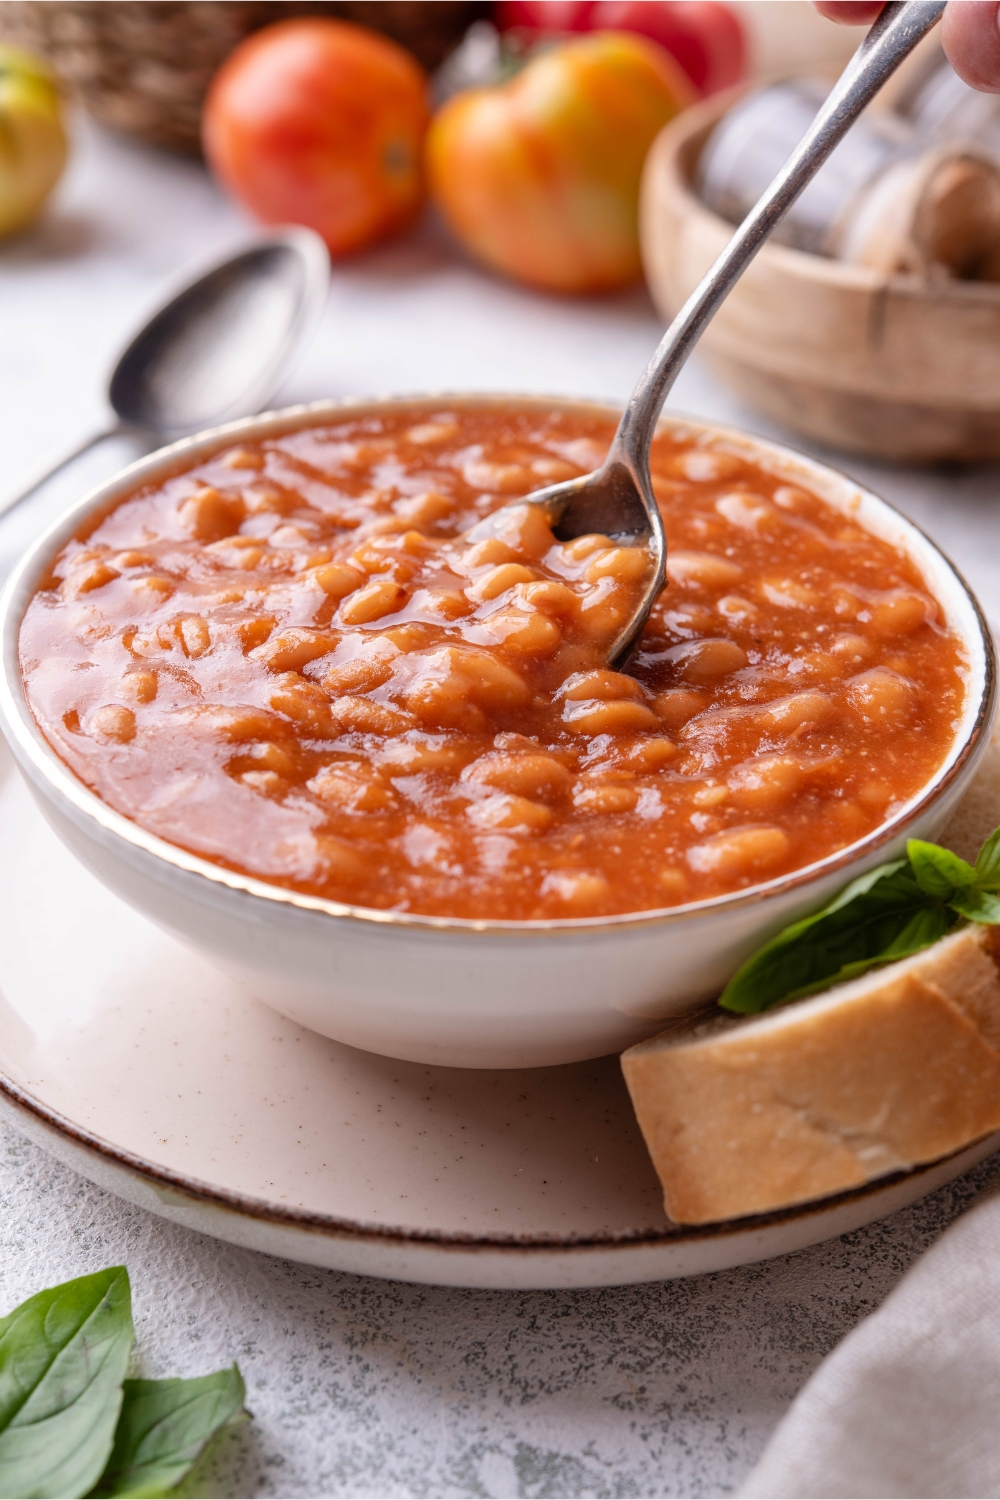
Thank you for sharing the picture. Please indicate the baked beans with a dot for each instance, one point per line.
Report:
(330, 660)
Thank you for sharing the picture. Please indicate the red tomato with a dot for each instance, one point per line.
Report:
(705, 36)
(545, 15)
(319, 122)
(539, 177)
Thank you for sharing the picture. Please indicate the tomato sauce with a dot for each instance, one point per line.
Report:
(324, 660)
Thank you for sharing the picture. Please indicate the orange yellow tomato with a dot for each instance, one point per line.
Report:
(319, 122)
(539, 177)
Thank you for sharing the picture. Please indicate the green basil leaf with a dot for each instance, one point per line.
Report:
(881, 916)
(937, 871)
(923, 929)
(63, 1356)
(988, 863)
(858, 887)
(978, 906)
(164, 1427)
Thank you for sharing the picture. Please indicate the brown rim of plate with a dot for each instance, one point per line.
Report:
(33, 745)
(332, 1227)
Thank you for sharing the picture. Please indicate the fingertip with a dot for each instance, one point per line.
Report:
(849, 12)
(970, 34)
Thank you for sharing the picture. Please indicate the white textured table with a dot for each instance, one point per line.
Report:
(372, 1388)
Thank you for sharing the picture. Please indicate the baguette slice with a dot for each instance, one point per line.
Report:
(744, 1115)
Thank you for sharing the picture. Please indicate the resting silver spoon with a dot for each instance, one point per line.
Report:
(216, 350)
(617, 499)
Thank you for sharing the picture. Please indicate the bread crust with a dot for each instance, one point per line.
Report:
(897, 1068)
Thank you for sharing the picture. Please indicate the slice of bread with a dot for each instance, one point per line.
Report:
(744, 1115)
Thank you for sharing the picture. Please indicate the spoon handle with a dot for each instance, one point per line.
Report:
(91, 442)
(895, 33)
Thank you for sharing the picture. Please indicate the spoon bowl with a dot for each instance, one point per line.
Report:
(616, 501)
(215, 351)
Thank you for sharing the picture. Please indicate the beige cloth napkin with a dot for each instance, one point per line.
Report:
(909, 1403)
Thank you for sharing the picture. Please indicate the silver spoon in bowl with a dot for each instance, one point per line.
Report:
(617, 499)
(216, 350)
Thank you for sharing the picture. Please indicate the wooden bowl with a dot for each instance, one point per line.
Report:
(896, 367)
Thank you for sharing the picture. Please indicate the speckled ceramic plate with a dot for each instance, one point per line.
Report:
(137, 1064)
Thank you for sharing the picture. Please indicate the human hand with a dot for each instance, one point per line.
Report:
(970, 33)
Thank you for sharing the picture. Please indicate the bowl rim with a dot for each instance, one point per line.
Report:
(30, 746)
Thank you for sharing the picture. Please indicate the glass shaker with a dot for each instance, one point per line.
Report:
(943, 108)
(750, 144)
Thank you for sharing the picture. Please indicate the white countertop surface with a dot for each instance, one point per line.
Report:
(369, 1388)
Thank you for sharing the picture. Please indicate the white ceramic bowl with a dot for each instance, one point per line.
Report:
(462, 993)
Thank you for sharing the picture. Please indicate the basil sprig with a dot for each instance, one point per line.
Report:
(71, 1424)
(884, 915)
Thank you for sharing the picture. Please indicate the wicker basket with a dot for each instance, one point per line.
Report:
(143, 66)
